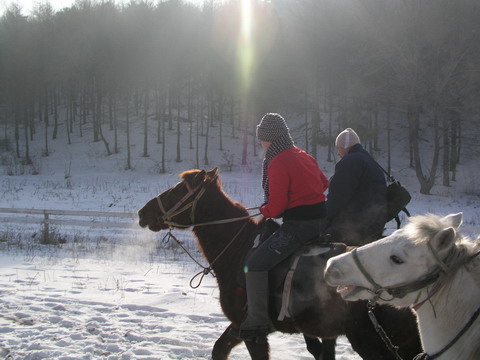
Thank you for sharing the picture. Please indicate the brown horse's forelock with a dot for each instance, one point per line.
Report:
(189, 174)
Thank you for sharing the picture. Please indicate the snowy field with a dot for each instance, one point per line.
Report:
(123, 294)
(111, 294)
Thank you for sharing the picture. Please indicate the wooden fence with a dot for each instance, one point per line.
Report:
(106, 219)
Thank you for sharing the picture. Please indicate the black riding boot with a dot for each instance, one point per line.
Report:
(257, 325)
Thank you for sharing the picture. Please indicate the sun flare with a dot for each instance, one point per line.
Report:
(246, 48)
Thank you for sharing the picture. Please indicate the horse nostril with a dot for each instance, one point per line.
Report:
(331, 274)
(140, 215)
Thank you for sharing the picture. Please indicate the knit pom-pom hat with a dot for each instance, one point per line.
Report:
(271, 127)
(347, 138)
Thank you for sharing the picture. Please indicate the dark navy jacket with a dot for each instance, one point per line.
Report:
(356, 201)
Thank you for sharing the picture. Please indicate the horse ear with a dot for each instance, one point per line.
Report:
(444, 239)
(200, 177)
(454, 220)
(212, 174)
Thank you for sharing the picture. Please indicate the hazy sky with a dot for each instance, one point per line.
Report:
(28, 5)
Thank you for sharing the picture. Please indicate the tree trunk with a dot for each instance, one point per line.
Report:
(95, 114)
(190, 111)
(55, 114)
(315, 120)
(68, 120)
(330, 147)
(164, 170)
(209, 114)
(145, 123)
(115, 124)
(28, 160)
(99, 113)
(375, 127)
(305, 118)
(426, 182)
(179, 157)
(389, 142)
(110, 109)
(159, 111)
(127, 130)
(199, 114)
(170, 100)
(46, 152)
(232, 116)
(17, 129)
(455, 137)
(446, 151)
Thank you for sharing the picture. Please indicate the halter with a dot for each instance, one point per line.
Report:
(398, 291)
(176, 209)
(401, 290)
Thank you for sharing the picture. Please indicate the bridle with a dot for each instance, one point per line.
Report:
(176, 209)
(181, 206)
(401, 291)
(168, 215)
(398, 291)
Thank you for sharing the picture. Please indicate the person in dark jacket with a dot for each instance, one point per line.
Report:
(294, 189)
(356, 200)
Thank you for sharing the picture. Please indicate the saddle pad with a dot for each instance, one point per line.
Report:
(325, 251)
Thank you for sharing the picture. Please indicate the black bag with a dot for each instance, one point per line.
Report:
(397, 199)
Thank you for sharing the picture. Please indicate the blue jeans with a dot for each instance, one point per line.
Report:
(291, 235)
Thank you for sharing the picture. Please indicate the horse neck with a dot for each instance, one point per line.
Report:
(221, 243)
(450, 309)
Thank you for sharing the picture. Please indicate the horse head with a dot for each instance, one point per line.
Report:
(398, 267)
(175, 207)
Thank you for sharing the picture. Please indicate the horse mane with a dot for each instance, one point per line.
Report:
(422, 228)
(189, 176)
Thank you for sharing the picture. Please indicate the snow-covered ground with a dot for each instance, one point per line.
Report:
(123, 294)
(111, 294)
(112, 309)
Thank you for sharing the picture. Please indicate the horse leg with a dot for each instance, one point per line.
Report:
(321, 350)
(258, 351)
(367, 342)
(224, 345)
(314, 346)
(328, 348)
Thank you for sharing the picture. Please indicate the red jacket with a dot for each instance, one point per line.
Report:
(294, 179)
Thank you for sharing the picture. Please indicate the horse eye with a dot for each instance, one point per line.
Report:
(396, 259)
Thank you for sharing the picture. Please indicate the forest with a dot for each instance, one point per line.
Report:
(384, 67)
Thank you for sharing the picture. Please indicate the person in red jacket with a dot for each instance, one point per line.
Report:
(294, 189)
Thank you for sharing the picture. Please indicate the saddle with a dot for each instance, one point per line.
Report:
(295, 283)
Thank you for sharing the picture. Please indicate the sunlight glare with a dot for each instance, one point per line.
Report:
(246, 48)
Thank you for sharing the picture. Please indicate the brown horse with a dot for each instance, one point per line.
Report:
(226, 233)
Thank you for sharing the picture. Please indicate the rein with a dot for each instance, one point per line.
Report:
(425, 356)
(206, 269)
(177, 209)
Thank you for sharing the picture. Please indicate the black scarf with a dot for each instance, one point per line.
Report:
(277, 146)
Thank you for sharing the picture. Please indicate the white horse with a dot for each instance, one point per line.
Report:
(429, 266)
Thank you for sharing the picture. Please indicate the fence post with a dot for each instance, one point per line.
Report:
(46, 228)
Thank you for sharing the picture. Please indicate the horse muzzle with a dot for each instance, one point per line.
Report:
(152, 224)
